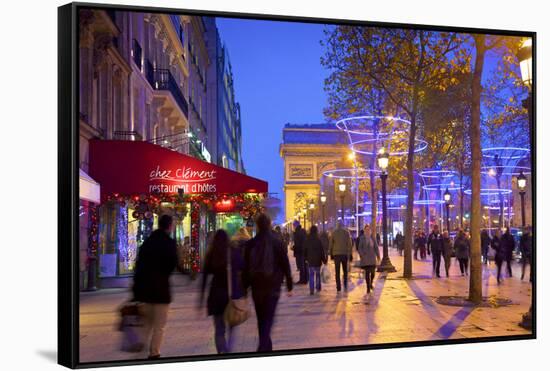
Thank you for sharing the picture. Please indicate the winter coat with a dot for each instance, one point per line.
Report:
(157, 259)
(509, 245)
(485, 242)
(525, 245)
(368, 251)
(299, 239)
(447, 248)
(266, 264)
(314, 252)
(218, 296)
(340, 242)
(497, 245)
(435, 243)
(462, 248)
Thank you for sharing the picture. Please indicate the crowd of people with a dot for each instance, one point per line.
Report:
(260, 265)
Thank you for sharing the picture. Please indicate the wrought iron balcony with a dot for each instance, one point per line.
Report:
(162, 79)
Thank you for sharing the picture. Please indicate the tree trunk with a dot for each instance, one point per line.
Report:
(475, 294)
(407, 261)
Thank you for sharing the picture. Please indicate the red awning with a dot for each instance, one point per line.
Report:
(130, 168)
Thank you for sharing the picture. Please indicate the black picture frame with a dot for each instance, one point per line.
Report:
(68, 186)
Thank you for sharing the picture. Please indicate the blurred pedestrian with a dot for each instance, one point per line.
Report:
(315, 257)
(277, 233)
(340, 250)
(325, 239)
(400, 243)
(157, 259)
(361, 233)
(299, 239)
(369, 256)
(526, 246)
(447, 251)
(415, 244)
(222, 253)
(509, 244)
(462, 251)
(485, 242)
(265, 267)
(422, 245)
(435, 245)
(500, 253)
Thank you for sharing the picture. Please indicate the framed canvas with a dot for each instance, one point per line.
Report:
(241, 185)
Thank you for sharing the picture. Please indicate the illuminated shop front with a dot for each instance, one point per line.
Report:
(141, 181)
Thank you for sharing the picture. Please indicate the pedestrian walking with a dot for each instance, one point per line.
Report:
(361, 233)
(462, 250)
(156, 261)
(422, 245)
(447, 251)
(265, 267)
(500, 253)
(325, 240)
(369, 256)
(315, 257)
(340, 251)
(299, 239)
(509, 244)
(415, 244)
(400, 243)
(435, 245)
(216, 263)
(485, 242)
(525, 246)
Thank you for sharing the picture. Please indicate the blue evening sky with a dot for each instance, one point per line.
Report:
(278, 79)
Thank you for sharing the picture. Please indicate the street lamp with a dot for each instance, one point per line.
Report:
(383, 162)
(525, 57)
(311, 207)
(522, 183)
(323, 201)
(447, 198)
(342, 189)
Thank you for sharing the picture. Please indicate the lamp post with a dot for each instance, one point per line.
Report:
(311, 208)
(383, 162)
(447, 198)
(323, 201)
(342, 189)
(522, 182)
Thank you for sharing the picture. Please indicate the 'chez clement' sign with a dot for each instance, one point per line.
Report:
(128, 167)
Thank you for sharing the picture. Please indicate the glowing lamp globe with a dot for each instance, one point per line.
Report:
(383, 159)
(522, 181)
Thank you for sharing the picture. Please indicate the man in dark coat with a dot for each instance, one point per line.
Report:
(265, 267)
(435, 245)
(509, 245)
(299, 240)
(156, 261)
(526, 247)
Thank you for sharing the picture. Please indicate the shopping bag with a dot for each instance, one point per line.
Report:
(131, 326)
(325, 274)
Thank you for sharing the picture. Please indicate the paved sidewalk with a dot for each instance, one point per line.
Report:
(398, 311)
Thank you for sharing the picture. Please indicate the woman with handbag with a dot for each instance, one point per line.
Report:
(225, 263)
